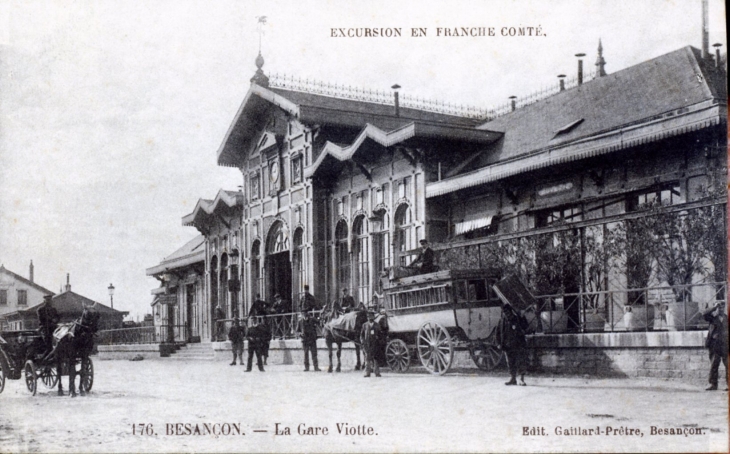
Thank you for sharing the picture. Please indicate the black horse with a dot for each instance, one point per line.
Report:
(345, 328)
(74, 342)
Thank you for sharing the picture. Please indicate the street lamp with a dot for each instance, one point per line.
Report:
(111, 294)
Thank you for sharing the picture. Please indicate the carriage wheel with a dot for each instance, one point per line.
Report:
(485, 356)
(49, 377)
(397, 356)
(87, 376)
(31, 379)
(2, 375)
(435, 348)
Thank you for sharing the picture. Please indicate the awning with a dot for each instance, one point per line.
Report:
(467, 226)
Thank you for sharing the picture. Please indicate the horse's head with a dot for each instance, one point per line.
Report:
(90, 318)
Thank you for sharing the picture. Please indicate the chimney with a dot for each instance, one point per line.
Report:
(717, 47)
(395, 88)
(580, 68)
(562, 81)
(30, 271)
(705, 31)
(600, 62)
(514, 102)
(68, 283)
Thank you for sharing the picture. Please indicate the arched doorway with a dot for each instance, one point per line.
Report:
(278, 264)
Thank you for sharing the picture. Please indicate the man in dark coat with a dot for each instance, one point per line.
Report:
(258, 340)
(425, 258)
(717, 342)
(347, 302)
(259, 308)
(511, 338)
(235, 335)
(371, 339)
(219, 323)
(279, 306)
(48, 321)
(309, 340)
(307, 302)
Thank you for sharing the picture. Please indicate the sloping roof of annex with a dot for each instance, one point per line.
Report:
(669, 95)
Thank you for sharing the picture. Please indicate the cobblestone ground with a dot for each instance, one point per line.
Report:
(175, 406)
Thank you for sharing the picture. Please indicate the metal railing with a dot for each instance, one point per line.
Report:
(143, 335)
(667, 308)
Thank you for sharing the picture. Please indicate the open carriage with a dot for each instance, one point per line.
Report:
(430, 316)
(23, 355)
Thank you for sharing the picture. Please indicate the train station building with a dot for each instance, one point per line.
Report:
(607, 197)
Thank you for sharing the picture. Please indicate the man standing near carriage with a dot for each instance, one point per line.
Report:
(309, 340)
(236, 335)
(371, 339)
(48, 319)
(259, 308)
(511, 339)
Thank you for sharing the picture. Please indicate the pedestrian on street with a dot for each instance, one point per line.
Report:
(219, 323)
(258, 338)
(371, 339)
(717, 342)
(511, 339)
(309, 340)
(236, 335)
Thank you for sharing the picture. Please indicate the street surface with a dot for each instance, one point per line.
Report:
(205, 406)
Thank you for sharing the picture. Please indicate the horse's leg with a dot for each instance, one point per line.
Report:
(71, 375)
(84, 360)
(328, 340)
(59, 369)
(358, 366)
(339, 353)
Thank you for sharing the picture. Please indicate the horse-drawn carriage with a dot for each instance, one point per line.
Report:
(25, 355)
(430, 316)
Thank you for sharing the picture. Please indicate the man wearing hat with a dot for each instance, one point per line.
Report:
(307, 302)
(309, 340)
(259, 308)
(511, 338)
(717, 342)
(258, 341)
(48, 321)
(235, 335)
(279, 306)
(425, 259)
(371, 337)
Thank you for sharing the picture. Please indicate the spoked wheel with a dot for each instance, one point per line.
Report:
(485, 356)
(31, 379)
(49, 377)
(2, 376)
(397, 356)
(87, 375)
(435, 348)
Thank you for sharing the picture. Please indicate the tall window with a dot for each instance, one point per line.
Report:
(22, 297)
(256, 283)
(668, 194)
(361, 258)
(298, 265)
(381, 243)
(3, 297)
(342, 262)
(403, 229)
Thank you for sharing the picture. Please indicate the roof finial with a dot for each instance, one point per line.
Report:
(600, 62)
(259, 77)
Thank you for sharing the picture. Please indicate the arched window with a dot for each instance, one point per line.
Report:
(256, 284)
(298, 264)
(342, 262)
(223, 281)
(380, 228)
(361, 259)
(403, 235)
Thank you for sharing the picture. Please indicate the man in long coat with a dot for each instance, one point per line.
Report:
(717, 342)
(511, 338)
(371, 339)
(309, 340)
(48, 319)
(258, 340)
(236, 335)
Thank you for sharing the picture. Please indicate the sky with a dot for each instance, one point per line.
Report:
(111, 113)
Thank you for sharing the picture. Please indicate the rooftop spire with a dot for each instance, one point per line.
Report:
(259, 77)
(600, 62)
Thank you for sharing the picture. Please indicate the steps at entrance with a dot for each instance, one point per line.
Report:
(190, 352)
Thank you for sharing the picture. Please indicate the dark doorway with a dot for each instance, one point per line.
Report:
(279, 275)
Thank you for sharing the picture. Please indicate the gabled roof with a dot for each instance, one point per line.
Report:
(319, 109)
(668, 95)
(25, 281)
(223, 202)
(192, 252)
(70, 302)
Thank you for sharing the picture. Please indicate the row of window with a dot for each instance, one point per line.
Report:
(22, 297)
(296, 168)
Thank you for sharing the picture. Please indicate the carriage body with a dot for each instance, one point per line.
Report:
(17, 347)
(432, 315)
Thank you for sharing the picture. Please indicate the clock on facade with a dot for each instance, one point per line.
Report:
(274, 172)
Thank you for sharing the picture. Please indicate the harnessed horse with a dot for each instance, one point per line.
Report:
(75, 341)
(341, 329)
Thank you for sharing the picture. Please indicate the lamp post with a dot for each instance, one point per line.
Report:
(111, 294)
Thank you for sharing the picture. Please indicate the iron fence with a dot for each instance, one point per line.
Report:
(143, 335)
(663, 308)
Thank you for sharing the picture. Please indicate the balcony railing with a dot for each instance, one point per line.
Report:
(669, 308)
(143, 335)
